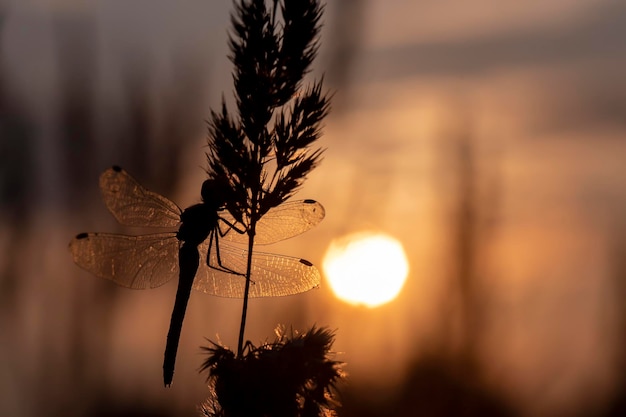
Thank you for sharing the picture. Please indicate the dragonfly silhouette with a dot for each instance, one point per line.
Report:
(195, 253)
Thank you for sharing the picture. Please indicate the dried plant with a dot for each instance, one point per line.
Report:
(261, 155)
(291, 376)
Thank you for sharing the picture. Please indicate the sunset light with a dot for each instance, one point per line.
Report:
(245, 201)
(366, 268)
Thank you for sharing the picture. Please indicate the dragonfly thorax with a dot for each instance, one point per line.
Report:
(197, 222)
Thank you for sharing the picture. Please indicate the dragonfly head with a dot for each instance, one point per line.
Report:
(215, 192)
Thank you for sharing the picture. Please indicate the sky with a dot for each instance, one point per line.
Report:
(486, 136)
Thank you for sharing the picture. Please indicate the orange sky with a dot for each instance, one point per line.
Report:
(536, 89)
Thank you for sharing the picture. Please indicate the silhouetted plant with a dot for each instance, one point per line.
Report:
(261, 156)
(292, 376)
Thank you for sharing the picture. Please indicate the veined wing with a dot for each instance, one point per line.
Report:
(282, 222)
(137, 262)
(133, 205)
(272, 275)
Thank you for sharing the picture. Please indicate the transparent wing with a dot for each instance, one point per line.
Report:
(282, 222)
(137, 262)
(132, 205)
(272, 275)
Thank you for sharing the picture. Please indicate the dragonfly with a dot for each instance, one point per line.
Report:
(200, 252)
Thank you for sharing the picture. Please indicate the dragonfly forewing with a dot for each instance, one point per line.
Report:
(137, 262)
(272, 275)
(283, 222)
(133, 205)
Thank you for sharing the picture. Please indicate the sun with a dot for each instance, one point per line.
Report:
(366, 268)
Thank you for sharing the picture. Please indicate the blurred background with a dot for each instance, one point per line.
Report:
(488, 137)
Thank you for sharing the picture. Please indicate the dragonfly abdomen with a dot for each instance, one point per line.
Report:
(188, 260)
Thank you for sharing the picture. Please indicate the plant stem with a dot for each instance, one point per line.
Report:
(246, 292)
(254, 210)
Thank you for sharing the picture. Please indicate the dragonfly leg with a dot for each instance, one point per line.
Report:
(219, 266)
(231, 226)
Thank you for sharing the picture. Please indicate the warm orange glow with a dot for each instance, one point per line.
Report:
(366, 268)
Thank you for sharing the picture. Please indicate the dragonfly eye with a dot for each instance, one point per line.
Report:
(208, 190)
(214, 191)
